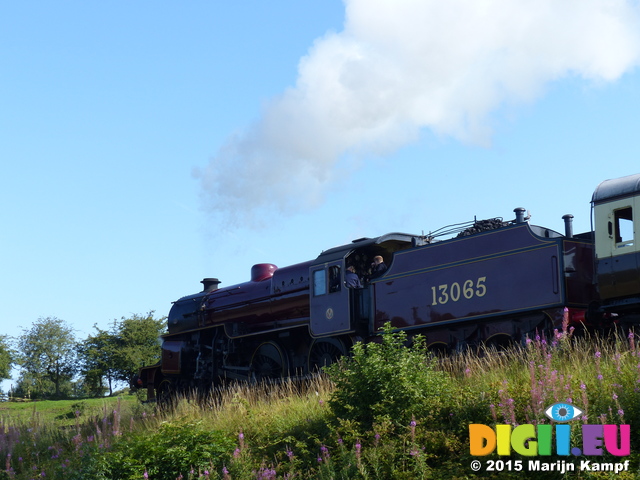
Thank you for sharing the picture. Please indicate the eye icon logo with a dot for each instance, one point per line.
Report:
(562, 412)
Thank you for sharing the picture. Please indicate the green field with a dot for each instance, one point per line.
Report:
(62, 412)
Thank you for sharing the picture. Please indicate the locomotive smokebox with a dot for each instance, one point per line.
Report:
(568, 225)
(210, 284)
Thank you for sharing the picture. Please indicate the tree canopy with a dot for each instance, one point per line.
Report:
(117, 354)
(54, 364)
(7, 357)
(47, 357)
(140, 343)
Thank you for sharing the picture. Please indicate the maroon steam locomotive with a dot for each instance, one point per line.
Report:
(495, 283)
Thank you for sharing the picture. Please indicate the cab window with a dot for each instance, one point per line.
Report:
(334, 279)
(624, 226)
(319, 282)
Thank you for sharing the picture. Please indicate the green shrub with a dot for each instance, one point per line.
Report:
(388, 380)
(173, 449)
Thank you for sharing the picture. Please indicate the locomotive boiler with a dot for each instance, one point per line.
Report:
(495, 283)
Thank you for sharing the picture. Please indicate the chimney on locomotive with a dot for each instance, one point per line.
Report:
(568, 225)
(210, 284)
(519, 215)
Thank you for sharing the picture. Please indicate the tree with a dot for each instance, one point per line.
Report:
(117, 354)
(7, 357)
(98, 357)
(140, 343)
(47, 356)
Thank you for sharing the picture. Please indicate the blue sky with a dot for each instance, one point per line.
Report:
(146, 145)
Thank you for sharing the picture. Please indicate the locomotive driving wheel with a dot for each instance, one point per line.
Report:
(268, 362)
(324, 352)
(165, 393)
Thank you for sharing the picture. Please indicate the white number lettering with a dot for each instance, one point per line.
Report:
(443, 293)
(467, 289)
(455, 291)
(480, 287)
(444, 298)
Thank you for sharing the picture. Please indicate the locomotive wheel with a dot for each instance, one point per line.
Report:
(324, 352)
(500, 342)
(439, 349)
(165, 393)
(544, 329)
(268, 362)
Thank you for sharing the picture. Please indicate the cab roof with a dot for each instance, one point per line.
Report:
(335, 253)
(616, 188)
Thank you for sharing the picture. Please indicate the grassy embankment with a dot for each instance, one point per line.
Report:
(354, 425)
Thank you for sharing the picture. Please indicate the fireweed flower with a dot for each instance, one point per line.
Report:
(492, 407)
(325, 452)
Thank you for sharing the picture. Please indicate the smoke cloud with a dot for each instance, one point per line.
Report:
(400, 67)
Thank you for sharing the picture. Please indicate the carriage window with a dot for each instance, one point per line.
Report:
(334, 279)
(319, 283)
(624, 227)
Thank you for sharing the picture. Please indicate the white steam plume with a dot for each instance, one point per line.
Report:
(402, 66)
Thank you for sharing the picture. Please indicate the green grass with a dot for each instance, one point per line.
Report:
(292, 430)
(62, 412)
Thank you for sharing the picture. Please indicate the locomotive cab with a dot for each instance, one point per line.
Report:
(616, 214)
(336, 309)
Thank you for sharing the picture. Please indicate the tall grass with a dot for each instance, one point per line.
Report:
(293, 429)
(599, 374)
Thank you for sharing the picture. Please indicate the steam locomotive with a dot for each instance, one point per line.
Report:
(495, 282)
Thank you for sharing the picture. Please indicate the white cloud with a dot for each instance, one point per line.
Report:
(403, 66)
